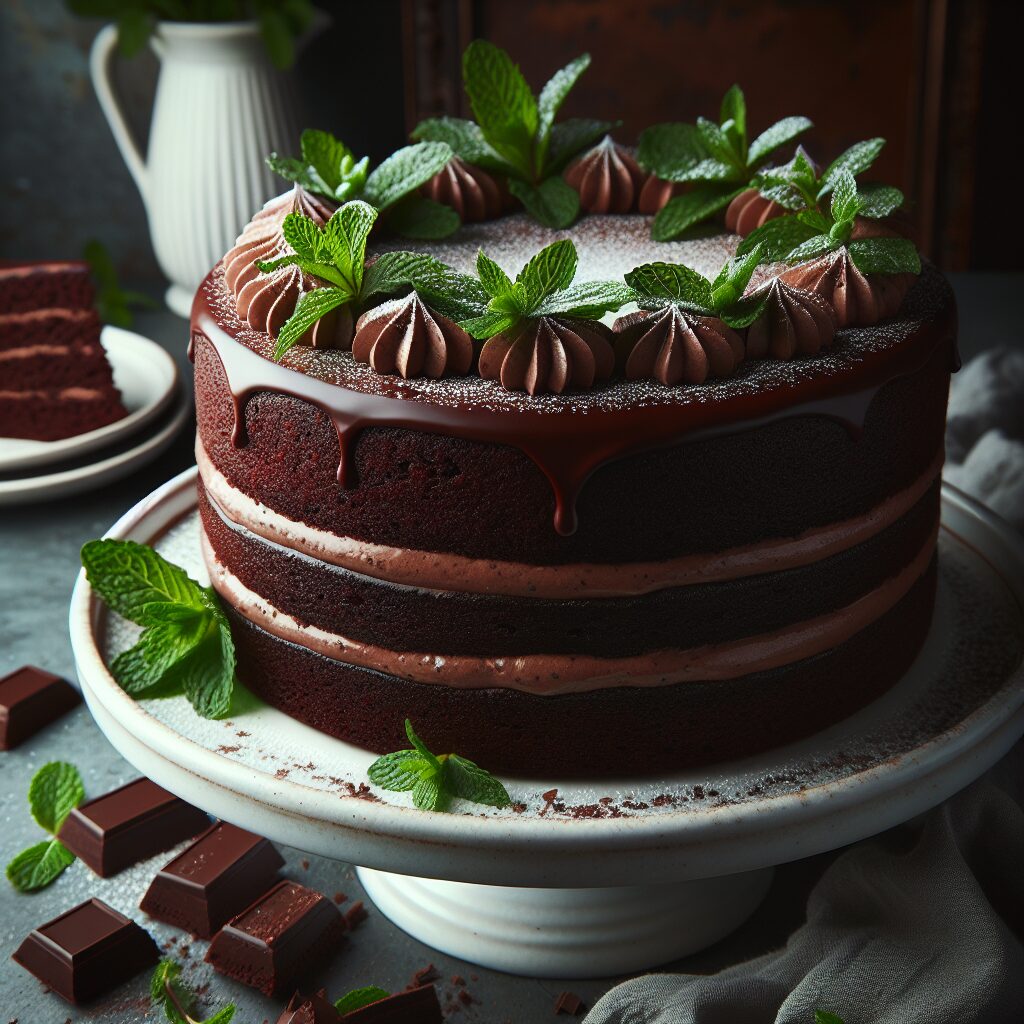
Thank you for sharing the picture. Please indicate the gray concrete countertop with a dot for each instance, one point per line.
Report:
(39, 547)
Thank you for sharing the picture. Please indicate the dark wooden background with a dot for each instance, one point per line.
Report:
(934, 77)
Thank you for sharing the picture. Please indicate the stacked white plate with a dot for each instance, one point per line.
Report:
(158, 407)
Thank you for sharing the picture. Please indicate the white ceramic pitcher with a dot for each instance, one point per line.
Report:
(220, 108)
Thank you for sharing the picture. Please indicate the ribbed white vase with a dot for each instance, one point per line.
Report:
(220, 108)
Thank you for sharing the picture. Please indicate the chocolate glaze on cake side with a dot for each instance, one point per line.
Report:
(506, 570)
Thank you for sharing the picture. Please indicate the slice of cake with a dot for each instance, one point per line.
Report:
(55, 380)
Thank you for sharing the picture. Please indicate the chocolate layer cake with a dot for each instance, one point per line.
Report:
(623, 580)
(55, 380)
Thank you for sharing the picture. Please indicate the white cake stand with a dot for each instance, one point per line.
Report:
(613, 876)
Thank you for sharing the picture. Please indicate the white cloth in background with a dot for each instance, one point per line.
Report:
(924, 923)
(985, 432)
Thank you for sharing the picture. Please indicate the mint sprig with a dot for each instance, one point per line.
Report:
(825, 1017)
(360, 997)
(716, 158)
(515, 133)
(542, 288)
(113, 303)
(656, 285)
(55, 791)
(178, 1003)
(336, 255)
(328, 167)
(435, 779)
(186, 645)
(810, 233)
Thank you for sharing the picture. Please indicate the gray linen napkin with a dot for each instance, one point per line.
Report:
(924, 923)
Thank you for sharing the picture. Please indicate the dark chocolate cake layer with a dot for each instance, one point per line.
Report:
(621, 731)
(451, 622)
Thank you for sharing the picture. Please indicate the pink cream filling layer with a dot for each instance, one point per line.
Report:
(431, 570)
(550, 674)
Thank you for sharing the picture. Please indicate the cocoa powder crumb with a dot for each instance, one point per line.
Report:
(356, 915)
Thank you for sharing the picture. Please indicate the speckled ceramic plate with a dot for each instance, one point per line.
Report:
(147, 378)
(957, 710)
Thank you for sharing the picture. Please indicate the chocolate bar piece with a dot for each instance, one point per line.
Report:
(218, 876)
(87, 951)
(414, 1006)
(130, 824)
(29, 699)
(314, 1009)
(284, 935)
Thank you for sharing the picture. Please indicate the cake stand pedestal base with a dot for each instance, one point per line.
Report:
(567, 933)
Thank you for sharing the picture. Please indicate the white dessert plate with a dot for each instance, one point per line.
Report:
(957, 710)
(87, 473)
(147, 378)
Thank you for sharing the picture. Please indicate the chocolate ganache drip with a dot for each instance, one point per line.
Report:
(549, 355)
(675, 346)
(857, 300)
(266, 301)
(406, 338)
(794, 323)
(607, 178)
(749, 210)
(470, 191)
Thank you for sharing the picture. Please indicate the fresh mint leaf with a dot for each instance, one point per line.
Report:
(418, 217)
(824, 1017)
(393, 271)
(39, 865)
(55, 791)
(553, 95)
(130, 576)
(113, 303)
(186, 645)
(404, 171)
(733, 112)
(502, 103)
(312, 305)
(589, 300)
(469, 781)
(670, 281)
(346, 234)
(668, 150)
(815, 220)
(846, 201)
(360, 997)
(879, 201)
(885, 256)
(495, 281)
(167, 992)
(434, 781)
(732, 280)
(777, 135)
(777, 238)
(682, 212)
(487, 325)
(465, 139)
(719, 148)
(551, 270)
(744, 311)
(553, 202)
(812, 248)
(457, 296)
(856, 160)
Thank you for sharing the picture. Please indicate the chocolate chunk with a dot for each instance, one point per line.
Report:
(87, 951)
(314, 1009)
(224, 871)
(568, 1003)
(284, 935)
(414, 1006)
(355, 915)
(424, 976)
(29, 699)
(128, 825)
